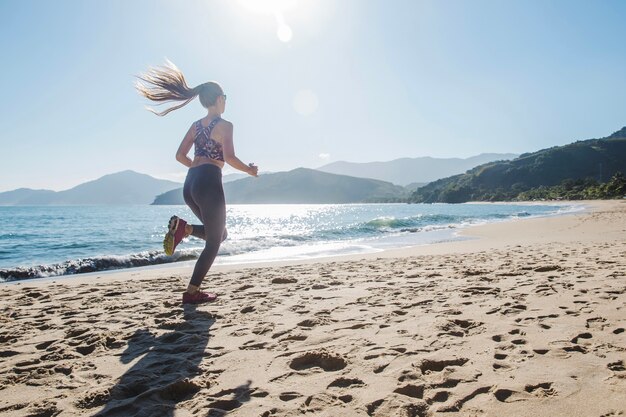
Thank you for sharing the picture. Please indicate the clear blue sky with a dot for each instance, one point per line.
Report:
(359, 80)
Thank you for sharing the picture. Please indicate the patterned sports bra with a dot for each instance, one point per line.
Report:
(205, 146)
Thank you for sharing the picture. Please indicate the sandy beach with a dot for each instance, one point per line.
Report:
(527, 318)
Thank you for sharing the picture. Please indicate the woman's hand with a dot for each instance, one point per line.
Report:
(225, 131)
(253, 170)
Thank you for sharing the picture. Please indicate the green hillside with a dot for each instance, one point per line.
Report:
(301, 186)
(587, 167)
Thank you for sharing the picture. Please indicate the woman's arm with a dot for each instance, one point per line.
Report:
(229, 152)
(183, 149)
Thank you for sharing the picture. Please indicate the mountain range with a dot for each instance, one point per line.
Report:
(129, 187)
(301, 186)
(499, 178)
(126, 187)
(405, 171)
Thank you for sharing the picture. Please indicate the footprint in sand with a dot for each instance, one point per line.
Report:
(545, 290)
(322, 402)
(263, 328)
(573, 346)
(298, 337)
(288, 396)
(397, 406)
(44, 409)
(500, 365)
(253, 345)
(507, 350)
(93, 399)
(461, 328)
(585, 335)
(221, 407)
(411, 390)
(343, 382)
(542, 390)
(596, 323)
(230, 399)
(504, 395)
(617, 366)
(457, 404)
(317, 321)
(517, 332)
(8, 353)
(433, 365)
(319, 359)
(498, 338)
(438, 397)
(408, 375)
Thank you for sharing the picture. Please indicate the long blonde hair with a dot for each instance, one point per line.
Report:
(167, 83)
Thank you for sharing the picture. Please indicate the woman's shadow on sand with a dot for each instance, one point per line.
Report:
(162, 377)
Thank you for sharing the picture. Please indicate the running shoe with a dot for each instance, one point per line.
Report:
(198, 298)
(175, 234)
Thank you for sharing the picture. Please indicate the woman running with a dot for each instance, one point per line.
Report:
(203, 192)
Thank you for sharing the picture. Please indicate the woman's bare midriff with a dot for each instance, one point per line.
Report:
(201, 160)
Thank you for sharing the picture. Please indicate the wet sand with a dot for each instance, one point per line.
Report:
(528, 319)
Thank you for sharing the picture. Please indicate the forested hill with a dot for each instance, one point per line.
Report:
(301, 186)
(584, 164)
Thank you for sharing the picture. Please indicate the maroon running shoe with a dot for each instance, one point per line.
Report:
(175, 234)
(198, 298)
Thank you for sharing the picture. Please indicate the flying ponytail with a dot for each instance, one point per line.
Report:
(167, 83)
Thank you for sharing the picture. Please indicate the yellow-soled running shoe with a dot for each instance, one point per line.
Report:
(174, 235)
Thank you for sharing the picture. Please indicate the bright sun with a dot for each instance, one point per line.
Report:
(276, 8)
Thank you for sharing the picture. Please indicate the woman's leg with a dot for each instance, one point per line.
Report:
(208, 194)
(213, 220)
(196, 230)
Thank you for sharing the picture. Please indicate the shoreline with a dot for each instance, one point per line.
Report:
(455, 234)
(527, 318)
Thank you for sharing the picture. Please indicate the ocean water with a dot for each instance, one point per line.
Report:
(40, 241)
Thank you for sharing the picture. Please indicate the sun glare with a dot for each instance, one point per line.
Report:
(275, 8)
(305, 102)
(284, 33)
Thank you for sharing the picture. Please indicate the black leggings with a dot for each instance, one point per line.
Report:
(204, 195)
